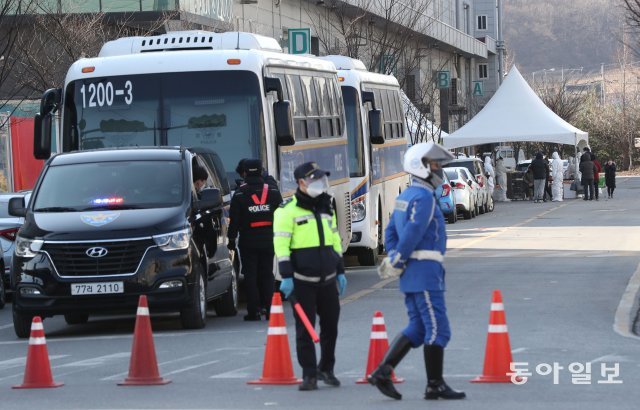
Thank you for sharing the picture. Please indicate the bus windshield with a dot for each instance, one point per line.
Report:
(219, 110)
(354, 131)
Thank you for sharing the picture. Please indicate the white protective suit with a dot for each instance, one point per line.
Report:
(492, 175)
(500, 193)
(557, 173)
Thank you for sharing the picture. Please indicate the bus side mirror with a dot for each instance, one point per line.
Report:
(375, 127)
(50, 101)
(42, 136)
(283, 120)
(273, 84)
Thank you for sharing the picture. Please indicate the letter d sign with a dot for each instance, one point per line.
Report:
(299, 40)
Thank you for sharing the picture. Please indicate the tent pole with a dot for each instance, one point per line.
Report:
(575, 173)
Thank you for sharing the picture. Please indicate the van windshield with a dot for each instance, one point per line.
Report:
(110, 185)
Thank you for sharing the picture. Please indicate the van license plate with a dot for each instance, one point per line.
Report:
(97, 288)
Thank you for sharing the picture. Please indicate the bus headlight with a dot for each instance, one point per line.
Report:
(27, 248)
(174, 240)
(358, 209)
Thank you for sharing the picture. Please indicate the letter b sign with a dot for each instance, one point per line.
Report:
(442, 79)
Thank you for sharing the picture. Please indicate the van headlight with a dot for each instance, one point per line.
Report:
(358, 209)
(27, 248)
(174, 240)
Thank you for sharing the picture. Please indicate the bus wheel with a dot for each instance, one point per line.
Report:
(368, 257)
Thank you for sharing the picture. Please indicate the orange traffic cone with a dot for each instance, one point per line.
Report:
(37, 373)
(378, 346)
(277, 368)
(143, 367)
(497, 357)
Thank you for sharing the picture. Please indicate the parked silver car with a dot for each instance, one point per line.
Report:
(9, 226)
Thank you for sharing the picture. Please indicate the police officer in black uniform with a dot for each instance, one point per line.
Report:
(251, 213)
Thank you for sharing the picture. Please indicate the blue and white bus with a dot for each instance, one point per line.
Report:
(234, 93)
(376, 149)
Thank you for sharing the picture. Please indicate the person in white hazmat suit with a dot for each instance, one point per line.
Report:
(501, 181)
(557, 173)
(491, 175)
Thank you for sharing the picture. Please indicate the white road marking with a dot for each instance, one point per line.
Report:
(6, 326)
(21, 361)
(610, 358)
(240, 373)
(185, 369)
(119, 375)
(95, 361)
(130, 337)
(627, 308)
(519, 350)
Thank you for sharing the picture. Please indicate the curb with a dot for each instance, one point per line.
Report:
(628, 308)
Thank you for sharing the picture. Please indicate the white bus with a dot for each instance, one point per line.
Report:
(234, 93)
(377, 142)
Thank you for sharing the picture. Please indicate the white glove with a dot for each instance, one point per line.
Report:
(387, 271)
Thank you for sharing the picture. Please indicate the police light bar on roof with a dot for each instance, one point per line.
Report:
(190, 40)
(107, 201)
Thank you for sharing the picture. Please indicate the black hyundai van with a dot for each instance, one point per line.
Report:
(106, 226)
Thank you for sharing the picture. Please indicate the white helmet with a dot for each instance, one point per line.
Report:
(416, 159)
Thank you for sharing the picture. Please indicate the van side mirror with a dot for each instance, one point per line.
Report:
(16, 207)
(210, 199)
(42, 125)
(376, 135)
(283, 120)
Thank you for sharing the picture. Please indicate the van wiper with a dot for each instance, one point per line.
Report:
(56, 209)
(111, 207)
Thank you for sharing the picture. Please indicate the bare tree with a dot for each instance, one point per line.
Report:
(54, 40)
(12, 16)
(390, 36)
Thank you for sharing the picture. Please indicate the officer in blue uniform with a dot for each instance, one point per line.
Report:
(416, 240)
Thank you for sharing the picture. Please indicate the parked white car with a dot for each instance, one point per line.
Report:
(475, 166)
(464, 192)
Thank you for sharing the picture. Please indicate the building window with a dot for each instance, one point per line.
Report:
(482, 71)
(482, 22)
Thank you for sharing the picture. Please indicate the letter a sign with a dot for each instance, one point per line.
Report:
(478, 89)
(299, 41)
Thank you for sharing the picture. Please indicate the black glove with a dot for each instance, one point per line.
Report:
(231, 244)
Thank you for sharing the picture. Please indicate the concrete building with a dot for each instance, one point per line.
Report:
(424, 38)
(443, 52)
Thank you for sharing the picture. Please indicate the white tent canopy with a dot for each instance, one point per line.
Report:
(515, 113)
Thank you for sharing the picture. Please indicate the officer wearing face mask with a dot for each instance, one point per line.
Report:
(308, 248)
(416, 241)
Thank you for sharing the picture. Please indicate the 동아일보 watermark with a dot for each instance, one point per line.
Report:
(580, 372)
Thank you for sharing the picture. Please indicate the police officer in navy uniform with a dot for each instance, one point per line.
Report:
(251, 214)
(416, 240)
(309, 251)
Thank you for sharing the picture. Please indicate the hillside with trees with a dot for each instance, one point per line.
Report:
(544, 34)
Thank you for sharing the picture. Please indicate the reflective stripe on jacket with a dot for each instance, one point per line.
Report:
(306, 243)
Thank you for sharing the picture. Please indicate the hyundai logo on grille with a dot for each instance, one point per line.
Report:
(97, 252)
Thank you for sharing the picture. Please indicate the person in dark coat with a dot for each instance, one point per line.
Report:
(540, 175)
(596, 175)
(251, 216)
(588, 170)
(610, 177)
(240, 170)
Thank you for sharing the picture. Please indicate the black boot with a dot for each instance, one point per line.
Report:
(436, 387)
(381, 376)
(308, 383)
